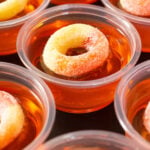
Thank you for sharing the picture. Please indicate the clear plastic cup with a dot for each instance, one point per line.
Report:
(36, 100)
(90, 140)
(9, 29)
(141, 24)
(77, 96)
(59, 2)
(131, 99)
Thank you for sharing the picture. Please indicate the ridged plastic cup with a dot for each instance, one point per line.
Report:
(20, 76)
(131, 98)
(90, 140)
(77, 96)
(142, 24)
(9, 29)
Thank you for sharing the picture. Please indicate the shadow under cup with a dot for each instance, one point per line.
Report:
(36, 101)
(78, 96)
(9, 28)
(132, 97)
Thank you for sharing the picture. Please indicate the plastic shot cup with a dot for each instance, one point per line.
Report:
(59, 2)
(9, 28)
(70, 95)
(131, 100)
(142, 24)
(36, 101)
(90, 140)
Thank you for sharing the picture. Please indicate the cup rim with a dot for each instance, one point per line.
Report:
(20, 20)
(18, 71)
(82, 135)
(79, 7)
(118, 102)
(133, 18)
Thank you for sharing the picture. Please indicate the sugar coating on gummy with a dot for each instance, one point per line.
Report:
(11, 118)
(54, 56)
(136, 7)
(146, 117)
(10, 8)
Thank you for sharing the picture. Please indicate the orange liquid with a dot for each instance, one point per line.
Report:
(8, 35)
(143, 29)
(58, 2)
(137, 102)
(80, 100)
(32, 110)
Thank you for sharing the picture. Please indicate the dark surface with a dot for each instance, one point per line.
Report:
(104, 119)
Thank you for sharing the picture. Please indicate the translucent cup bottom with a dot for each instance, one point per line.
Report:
(90, 140)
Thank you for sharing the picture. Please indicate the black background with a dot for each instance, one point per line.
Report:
(104, 119)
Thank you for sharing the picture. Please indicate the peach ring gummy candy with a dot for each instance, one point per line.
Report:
(11, 119)
(146, 118)
(75, 36)
(10, 8)
(136, 7)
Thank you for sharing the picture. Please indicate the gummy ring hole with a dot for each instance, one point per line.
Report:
(76, 49)
(2, 1)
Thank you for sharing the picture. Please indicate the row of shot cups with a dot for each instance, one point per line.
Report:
(12, 27)
(99, 12)
(9, 28)
(90, 139)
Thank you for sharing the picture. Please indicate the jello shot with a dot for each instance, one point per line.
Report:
(59, 2)
(132, 104)
(13, 14)
(90, 140)
(136, 11)
(27, 108)
(81, 51)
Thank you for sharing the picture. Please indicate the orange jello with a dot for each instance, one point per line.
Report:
(132, 104)
(27, 108)
(9, 27)
(137, 108)
(32, 110)
(142, 23)
(94, 89)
